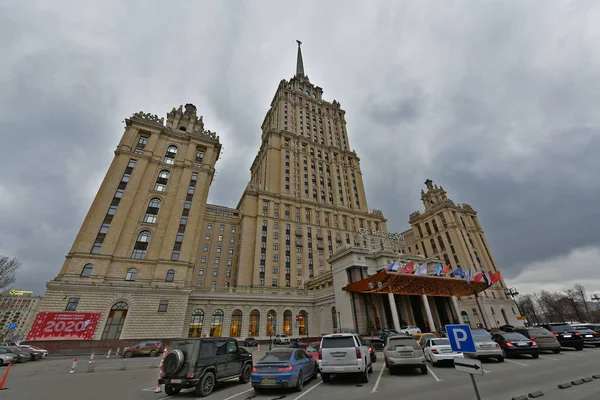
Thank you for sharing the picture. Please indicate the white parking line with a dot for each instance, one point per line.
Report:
(305, 392)
(235, 395)
(549, 358)
(486, 371)
(516, 362)
(433, 374)
(378, 379)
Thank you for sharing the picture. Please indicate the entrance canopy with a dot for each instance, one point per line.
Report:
(392, 282)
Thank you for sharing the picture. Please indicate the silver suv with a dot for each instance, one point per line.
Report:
(282, 339)
(344, 353)
(403, 351)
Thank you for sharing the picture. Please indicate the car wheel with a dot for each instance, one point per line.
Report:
(423, 370)
(535, 355)
(128, 354)
(364, 376)
(300, 383)
(246, 374)
(325, 377)
(434, 363)
(152, 353)
(556, 351)
(170, 390)
(370, 370)
(206, 385)
(1, 362)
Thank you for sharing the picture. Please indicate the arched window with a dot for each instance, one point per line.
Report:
(162, 180)
(236, 324)
(254, 323)
(433, 246)
(287, 322)
(115, 321)
(152, 211)
(322, 196)
(303, 323)
(170, 275)
(139, 250)
(271, 322)
(87, 270)
(170, 155)
(334, 318)
(216, 326)
(199, 156)
(195, 329)
(131, 274)
(314, 194)
(465, 317)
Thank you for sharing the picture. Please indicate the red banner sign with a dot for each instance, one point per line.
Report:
(64, 326)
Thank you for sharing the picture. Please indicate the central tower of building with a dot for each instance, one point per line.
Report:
(306, 196)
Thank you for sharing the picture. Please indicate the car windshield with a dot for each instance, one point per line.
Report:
(277, 356)
(440, 342)
(338, 342)
(561, 328)
(586, 331)
(514, 336)
(402, 341)
(539, 332)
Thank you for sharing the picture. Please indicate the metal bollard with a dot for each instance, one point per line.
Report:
(108, 354)
(124, 365)
(91, 357)
(73, 366)
(118, 351)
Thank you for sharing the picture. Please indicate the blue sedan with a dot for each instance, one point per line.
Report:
(283, 368)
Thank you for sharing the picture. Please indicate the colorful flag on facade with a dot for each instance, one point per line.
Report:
(457, 272)
(437, 269)
(408, 268)
(446, 269)
(486, 278)
(494, 278)
(421, 270)
(478, 277)
(394, 266)
(468, 275)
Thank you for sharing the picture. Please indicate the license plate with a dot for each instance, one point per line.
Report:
(175, 380)
(446, 351)
(589, 335)
(521, 343)
(268, 381)
(338, 354)
(485, 346)
(406, 354)
(566, 335)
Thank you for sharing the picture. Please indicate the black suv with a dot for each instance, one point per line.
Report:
(202, 362)
(566, 335)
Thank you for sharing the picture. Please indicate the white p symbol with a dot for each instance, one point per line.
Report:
(460, 335)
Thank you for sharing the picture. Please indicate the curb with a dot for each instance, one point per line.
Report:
(596, 376)
(577, 382)
(564, 385)
(519, 398)
(587, 379)
(535, 395)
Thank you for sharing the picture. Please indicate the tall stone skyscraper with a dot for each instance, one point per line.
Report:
(306, 196)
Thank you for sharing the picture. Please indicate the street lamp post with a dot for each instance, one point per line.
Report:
(306, 324)
(270, 318)
(512, 292)
(339, 321)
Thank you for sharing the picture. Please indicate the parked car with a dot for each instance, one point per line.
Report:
(202, 362)
(403, 351)
(594, 327)
(371, 350)
(283, 368)
(513, 343)
(410, 330)
(421, 338)
(566, 335)
(145, 348)
(344, 353)
(22, 355)
(438, 351)
(378, 344)
(28, 347)
(590, 337)
(385, 332)
(6, 357)
(313, 350)
(543, 337)
(485, 346)
(282, 339)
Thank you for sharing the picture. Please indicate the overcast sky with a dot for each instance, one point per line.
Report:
(496, 101)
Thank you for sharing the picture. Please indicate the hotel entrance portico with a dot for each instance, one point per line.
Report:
(368, 297)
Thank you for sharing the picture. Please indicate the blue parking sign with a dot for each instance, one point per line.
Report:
(12, 326)
(461, 338)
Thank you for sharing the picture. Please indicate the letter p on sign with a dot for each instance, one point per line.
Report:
(461, 338)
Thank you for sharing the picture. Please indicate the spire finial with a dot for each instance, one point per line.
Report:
(299, 63)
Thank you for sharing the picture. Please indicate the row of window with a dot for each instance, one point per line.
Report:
(131, 274)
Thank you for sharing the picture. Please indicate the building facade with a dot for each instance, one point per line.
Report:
(156, 261)
(17, 309)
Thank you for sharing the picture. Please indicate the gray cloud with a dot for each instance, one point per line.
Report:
(494, 101)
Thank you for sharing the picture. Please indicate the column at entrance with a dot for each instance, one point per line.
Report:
(428, 313)
(394, 309)
(486, 319)
(456, 309)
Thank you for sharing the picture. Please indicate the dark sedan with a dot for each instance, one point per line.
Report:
(590, 337)
(566, 335)
(543, 337)
(250, 342)
(513, 344)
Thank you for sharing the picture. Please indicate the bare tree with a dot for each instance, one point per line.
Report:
(572, 299)
(8, 272)
(552, 308)
(582, 294)
(527, 305)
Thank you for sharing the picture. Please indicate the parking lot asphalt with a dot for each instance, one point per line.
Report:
(502, 381)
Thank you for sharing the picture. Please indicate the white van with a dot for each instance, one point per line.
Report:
(344, 353)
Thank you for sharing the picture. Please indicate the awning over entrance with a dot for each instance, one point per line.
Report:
(392, 282)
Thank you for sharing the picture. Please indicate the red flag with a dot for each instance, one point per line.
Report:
(494, 278)
(446, 269)
(408, 268)
(477, 278)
